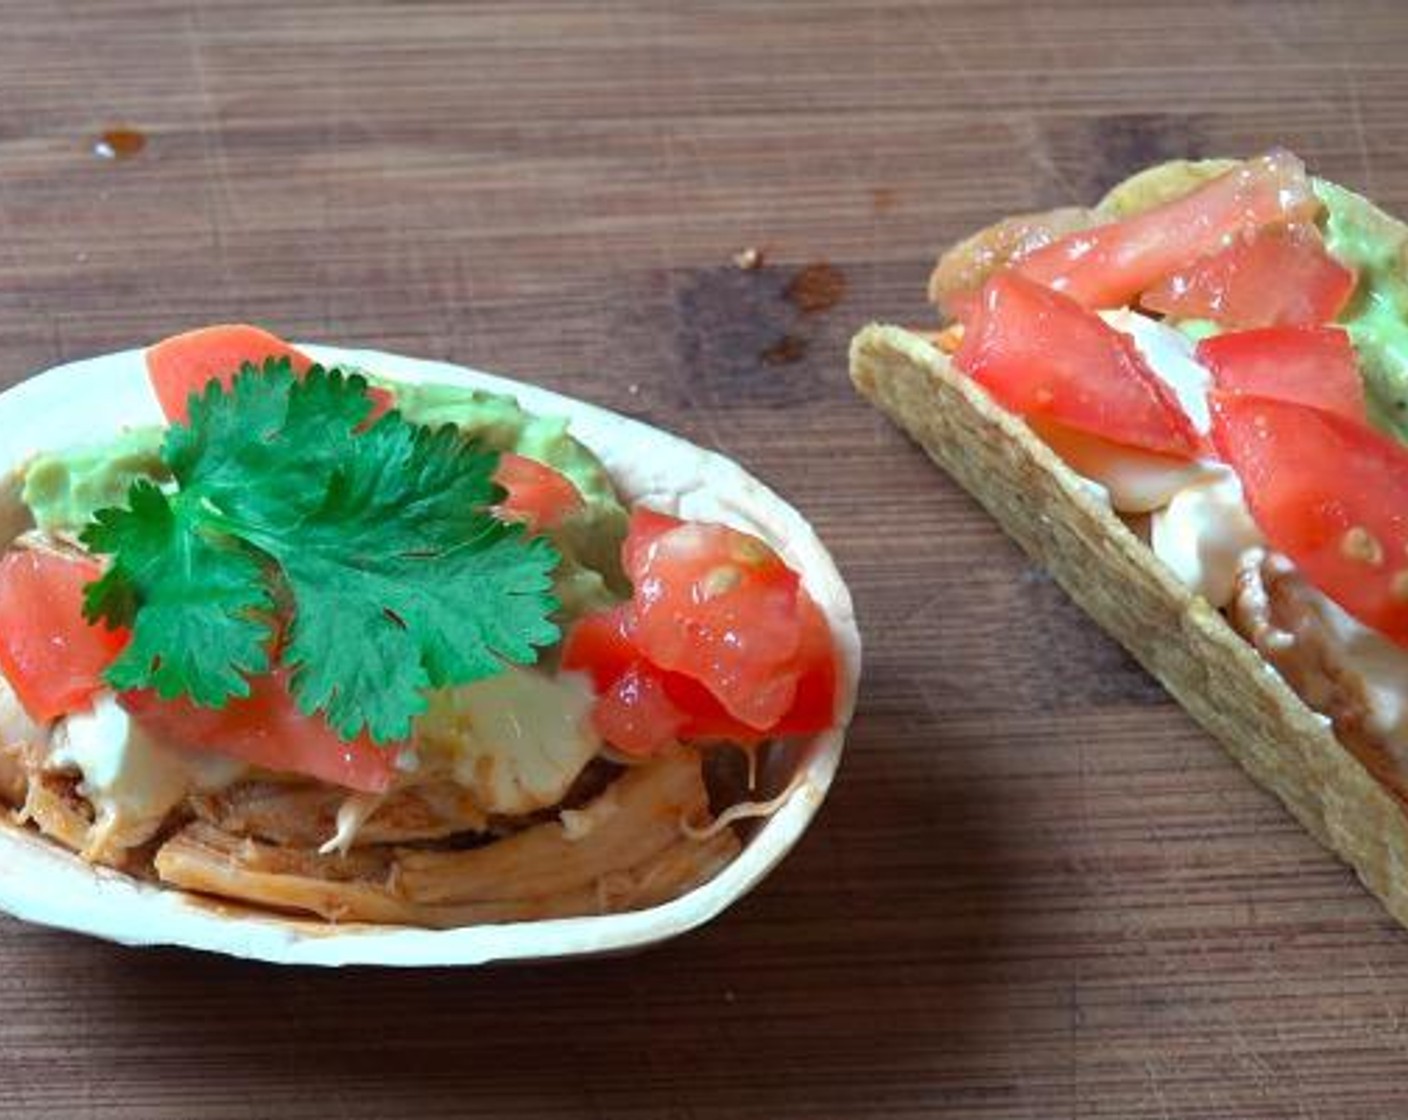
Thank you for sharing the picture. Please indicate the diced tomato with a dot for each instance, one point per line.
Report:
(635, 715)
(1039, 353)
(1109, 265)
(814, 704)
(537, 495)
(1331, 494)
(183, 365)
(383, 401)
(1274, 276)
(647, 527)
(601, 646)
(52, 657)
(657, 706)
(721, 607)
(1307, 365)
(266, 729)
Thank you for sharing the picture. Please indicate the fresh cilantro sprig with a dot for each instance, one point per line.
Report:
(365, 549)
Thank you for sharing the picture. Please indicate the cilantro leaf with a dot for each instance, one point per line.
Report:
(198, 609)
(377, 538)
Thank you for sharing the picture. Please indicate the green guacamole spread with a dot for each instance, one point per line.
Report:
(590, 576)
(1376, 246)
(64, 489)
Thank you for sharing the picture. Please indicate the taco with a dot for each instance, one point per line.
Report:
(1190, 403)
(326, 655)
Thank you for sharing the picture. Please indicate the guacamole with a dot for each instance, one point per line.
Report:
(590, 575)
(1366, 239)
(64, 489)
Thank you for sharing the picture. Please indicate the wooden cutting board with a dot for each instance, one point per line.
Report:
(1038, 890)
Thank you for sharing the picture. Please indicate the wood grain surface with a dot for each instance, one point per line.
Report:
(1038, 890)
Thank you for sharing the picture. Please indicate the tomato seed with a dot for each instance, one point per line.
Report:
(1360, 544)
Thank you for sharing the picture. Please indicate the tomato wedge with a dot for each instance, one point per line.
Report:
(1039, 353)
(1308, 365)
(537, 495)
(1109, 265)
(52, 657)
(1275, 276)
(1330, 493)
(183, 365)
(266, 729)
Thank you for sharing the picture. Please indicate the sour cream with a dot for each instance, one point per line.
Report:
(1203, 533)
(131, 779)
(1171, 355)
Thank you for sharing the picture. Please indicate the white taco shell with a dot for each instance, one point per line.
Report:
(41, 882)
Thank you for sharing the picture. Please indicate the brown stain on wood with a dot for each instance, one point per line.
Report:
(786, 350)
(816, 288)
(119, 143)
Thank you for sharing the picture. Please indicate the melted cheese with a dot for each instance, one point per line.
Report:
(516, 741)
(352, 814)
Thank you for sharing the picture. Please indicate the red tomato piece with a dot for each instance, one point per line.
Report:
(1275, 276)
(537, 495)
(1308, 365)
(608, 646)
(184, 364)
(814, 705)
(383, 401)
(1039, 353)
(814, 701)
(635, 715)
(601, 646)
(53, 658)
(1109, 265)
(720, 607)
(266, 729)
(647, 526)
(1331, 494)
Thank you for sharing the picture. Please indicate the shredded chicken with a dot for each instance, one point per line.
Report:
(1276, 610)
(14, 775)
(52, 804)
(536, 874)
(305, 814)
(549, 859)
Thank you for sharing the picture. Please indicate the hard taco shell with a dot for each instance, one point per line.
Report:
(1353, 803)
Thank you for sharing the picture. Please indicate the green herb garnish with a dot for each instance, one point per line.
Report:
(372, 545)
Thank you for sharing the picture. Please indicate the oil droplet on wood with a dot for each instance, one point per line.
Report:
(786, 350)
(817, 287)
(119, 143)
